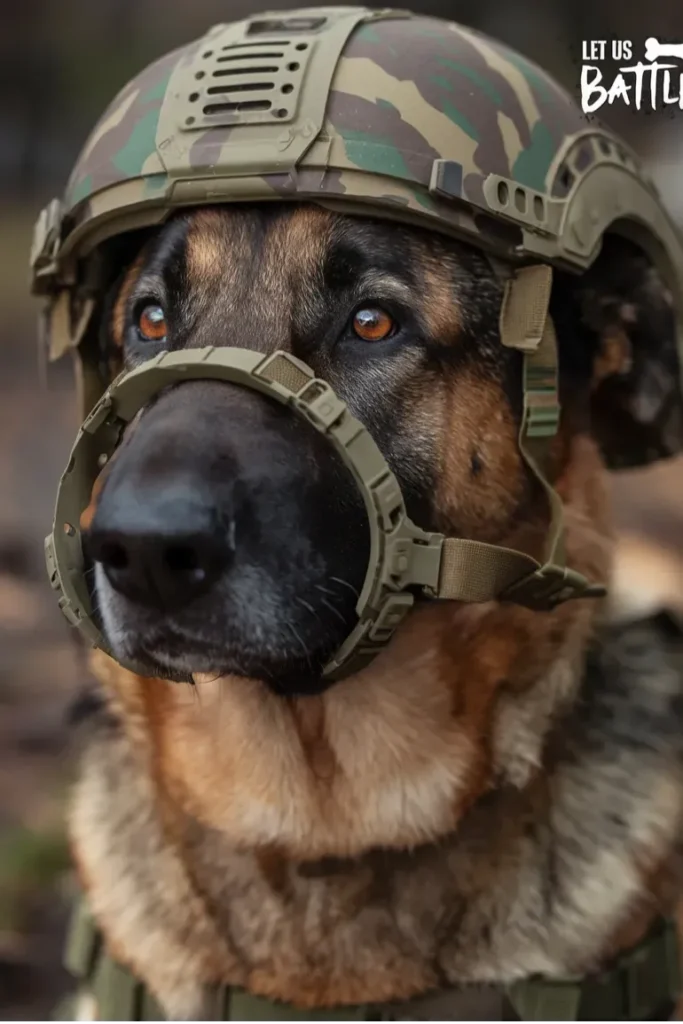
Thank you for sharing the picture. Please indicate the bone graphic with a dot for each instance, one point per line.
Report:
(655, 49)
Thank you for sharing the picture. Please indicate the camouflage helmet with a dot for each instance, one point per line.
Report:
(381, 112)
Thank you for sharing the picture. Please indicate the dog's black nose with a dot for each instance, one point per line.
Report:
(162, 551)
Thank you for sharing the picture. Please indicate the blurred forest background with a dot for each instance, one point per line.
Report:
(61, 61)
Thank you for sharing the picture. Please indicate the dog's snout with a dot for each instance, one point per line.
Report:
(228, 536)
(163, 552)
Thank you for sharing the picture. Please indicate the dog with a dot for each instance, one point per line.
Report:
(500, 793)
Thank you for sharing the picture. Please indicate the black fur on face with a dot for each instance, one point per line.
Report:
(228, 537)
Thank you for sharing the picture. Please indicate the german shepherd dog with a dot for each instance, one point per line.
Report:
(500, 793)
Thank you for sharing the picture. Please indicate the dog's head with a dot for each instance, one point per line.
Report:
(228, 537)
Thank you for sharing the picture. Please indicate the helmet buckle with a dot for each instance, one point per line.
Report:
(550, 586)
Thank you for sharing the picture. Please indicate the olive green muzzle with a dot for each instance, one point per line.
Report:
(403, 561)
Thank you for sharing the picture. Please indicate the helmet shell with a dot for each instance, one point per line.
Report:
(407, 92)
(382, 112)
(374, 112)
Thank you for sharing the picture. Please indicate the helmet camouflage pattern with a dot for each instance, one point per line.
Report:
(377, 112)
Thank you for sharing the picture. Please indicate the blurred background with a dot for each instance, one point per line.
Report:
(61, 61)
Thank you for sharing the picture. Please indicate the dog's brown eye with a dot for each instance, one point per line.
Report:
(152, 323)
(372, 324)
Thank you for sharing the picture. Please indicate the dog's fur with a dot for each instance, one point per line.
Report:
(500, 792)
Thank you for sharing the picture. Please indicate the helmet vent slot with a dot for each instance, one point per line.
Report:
(242, 105)
(264, 69)
(275, 55)
(230, 67)
(261, 43)
(583, 157)
(239, 87)
(563, 182)
(300, 24)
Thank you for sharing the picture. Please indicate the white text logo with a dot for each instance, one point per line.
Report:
(653, 84)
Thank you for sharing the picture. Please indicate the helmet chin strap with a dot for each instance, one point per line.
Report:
(473, 571)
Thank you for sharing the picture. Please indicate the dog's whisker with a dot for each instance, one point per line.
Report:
(334, 594)
(345, 583)
(303, 646)
(334, 610)
(209, 679)
(308, 607)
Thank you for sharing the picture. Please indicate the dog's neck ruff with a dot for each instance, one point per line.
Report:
(623, 715)
(642, 984)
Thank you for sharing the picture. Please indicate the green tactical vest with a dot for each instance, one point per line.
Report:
(643, 984)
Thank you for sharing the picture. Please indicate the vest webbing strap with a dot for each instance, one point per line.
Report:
(644, 984)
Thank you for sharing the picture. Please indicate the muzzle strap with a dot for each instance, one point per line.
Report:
(473, 571)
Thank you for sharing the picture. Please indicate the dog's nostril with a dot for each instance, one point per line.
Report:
(113, 555)
(182, 558)
(163, 568)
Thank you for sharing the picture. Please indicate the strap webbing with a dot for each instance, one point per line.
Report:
(475, 571)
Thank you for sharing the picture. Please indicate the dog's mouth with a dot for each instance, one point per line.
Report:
(243, 627)
(183, 656)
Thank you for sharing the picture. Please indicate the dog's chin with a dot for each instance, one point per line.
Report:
(280, 654)
(286, 674)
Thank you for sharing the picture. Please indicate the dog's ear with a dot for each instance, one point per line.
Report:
(616, 326)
